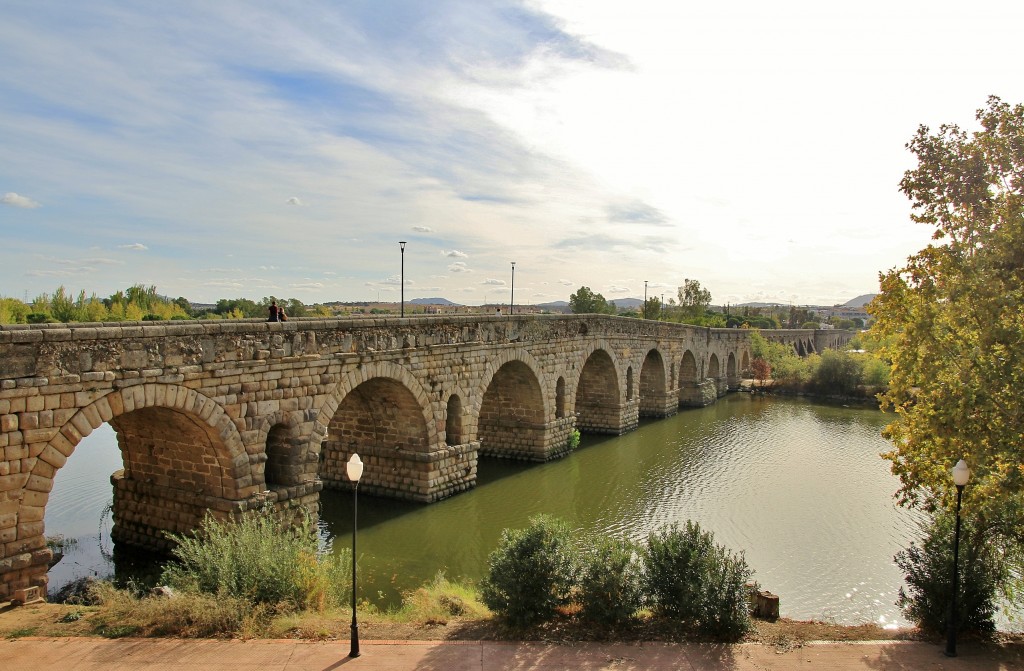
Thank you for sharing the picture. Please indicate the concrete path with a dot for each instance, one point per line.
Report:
(169, 654)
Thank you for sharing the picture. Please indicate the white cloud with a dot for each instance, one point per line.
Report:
(135, 246)
(455, 254)
(493, 282)
(458, 267)
(307, 286)
(423, 229)
(15, 200)
(295, 201)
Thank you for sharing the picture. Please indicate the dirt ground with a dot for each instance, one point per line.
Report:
(58, 620)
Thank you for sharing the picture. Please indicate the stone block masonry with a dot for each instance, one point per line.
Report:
(229, 416)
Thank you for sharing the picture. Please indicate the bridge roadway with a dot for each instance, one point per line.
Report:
(229, 416)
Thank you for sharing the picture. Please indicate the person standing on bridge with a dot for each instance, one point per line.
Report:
(273, 316)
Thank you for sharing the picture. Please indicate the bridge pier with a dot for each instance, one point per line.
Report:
(608, 418)
(400, 473)
(698, 394)
(659, 404)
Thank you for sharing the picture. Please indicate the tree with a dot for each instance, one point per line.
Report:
(652, 308)
(693, 300)
(952, 323)
(585, 301)
(761, 370)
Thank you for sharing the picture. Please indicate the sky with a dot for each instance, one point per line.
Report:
(251, 149)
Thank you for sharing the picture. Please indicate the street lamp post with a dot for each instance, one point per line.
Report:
(354, 469)
(512, 298)
(401, 244)
(961, 474)
(645, 299)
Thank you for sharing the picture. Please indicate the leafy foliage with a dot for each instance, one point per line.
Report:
(531, 572)
(952, 320)
(927, 597)
(695, 581)
(259, 559)
(693, 300)
(611, 582)
(585, 301)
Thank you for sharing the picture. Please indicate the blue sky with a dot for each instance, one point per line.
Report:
(229, 149)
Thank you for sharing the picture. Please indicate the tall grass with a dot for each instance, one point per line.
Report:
(260, 560)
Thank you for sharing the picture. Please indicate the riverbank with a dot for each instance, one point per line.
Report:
(53, 620)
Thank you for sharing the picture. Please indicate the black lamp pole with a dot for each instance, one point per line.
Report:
(961, 473)
(354, 469)
(401, 244)
(645, 299)
(512, 299)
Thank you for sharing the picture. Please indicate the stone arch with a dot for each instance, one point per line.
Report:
(512, 418)
(713, 368)
(688, 373)
(182, 456)
(453, 430)
(507, 356)
(745, 363)
(363, 373)
(598, 396)
(560, 397)
(290, 458)
(653, 385)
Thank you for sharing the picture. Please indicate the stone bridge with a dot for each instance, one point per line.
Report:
(228, 416)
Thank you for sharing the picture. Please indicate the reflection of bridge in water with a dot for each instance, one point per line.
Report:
(227, 416)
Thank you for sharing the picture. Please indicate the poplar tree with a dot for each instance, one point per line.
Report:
(952, 323)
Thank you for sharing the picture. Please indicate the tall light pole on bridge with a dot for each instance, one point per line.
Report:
(645, 299)
(961, 474)
(401, 244)
(512, 298)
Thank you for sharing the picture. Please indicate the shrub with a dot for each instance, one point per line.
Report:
(531, 573)
(695, 581)
(261, 560)
(574, 440)
(927, 596)
(611, 582)
(837, 373)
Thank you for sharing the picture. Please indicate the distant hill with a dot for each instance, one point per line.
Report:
(859, 301)
(432, 301)
(627, 303)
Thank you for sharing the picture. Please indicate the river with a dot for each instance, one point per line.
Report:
(798, 487)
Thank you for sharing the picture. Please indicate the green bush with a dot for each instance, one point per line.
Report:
(695, 581)
(261, 560)
(531, 573)
(927, 596)
(837, 373)
(611, 582)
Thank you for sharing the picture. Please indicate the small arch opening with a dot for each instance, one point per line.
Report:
(453, 421)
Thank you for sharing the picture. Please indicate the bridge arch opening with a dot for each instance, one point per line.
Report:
(653, 388)
(453, 421)
(381, 421)
(511, 423)
(745, 364)
(598, 403)
(713, 368)
(560, 397)
(285, 466)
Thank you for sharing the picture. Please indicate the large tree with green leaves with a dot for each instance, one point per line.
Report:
(693, 300)
(952, 322)
(585, 301)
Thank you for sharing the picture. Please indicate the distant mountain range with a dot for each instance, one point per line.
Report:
(432, 301)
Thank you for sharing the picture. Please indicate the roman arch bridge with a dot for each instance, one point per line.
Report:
(227, 416)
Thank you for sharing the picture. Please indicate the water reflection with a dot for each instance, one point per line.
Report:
(798, 487)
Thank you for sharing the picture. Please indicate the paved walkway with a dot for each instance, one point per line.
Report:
(169, 654)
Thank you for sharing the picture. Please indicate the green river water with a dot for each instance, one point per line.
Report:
(798, 487)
